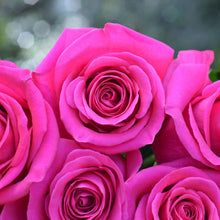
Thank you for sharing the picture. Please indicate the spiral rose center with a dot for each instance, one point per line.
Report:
(109, 93)
(85, 202)
(109, 97)
(186, 210)
(80, 201)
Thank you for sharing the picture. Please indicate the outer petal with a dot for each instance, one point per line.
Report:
(134, 161)
(79, 43)
(99, 172)
(7, 63)
(66, 38)
(189, 57)
(189, 178)
(141, 184)
(37, 132)
(186, 82)
(38, 192)
(195, 56)
(152, 187)
(12, 82)
(43, 76)
(72, 54)
(15, 210)
(113, 38)
(186, 78)
(140, 134)
(192, 131)
(167, 145)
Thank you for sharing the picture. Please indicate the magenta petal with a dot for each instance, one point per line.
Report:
(113, 38)
(86, 172)
(134, 161)
(12, 82)
(8, 63)
(67, 37)
(167, 145)
(15, 210)
(192, 130)
(38, 191)
(145, 90)
(119, 114)
(196, 57)
(107, 60)
(123, 36)
(142, 184)
(121, 163)
(215, 128)
(184, 85)
(39, 116)
(141, 209)
(42, 161)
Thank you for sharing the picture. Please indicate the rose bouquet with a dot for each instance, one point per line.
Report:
(80, 133)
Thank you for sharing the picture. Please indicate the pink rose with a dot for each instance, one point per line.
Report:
(193, 109)
(28, 133)
(82, 184)
(107, 83)
(164, 192)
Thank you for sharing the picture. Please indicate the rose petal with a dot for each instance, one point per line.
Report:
(15, 210)
(112, 38)
(38, 191)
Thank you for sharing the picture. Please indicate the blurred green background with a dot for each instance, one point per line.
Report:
(29, 28)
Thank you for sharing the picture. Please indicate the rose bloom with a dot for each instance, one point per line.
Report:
(107, 83)
(81, 184)
(28, 133)
(193, 109)
(164, 192)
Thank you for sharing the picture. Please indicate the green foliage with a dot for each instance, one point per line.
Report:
(148, 161)
(214, 75)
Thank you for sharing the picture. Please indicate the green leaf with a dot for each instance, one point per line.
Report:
(148, 161)
(214, 75)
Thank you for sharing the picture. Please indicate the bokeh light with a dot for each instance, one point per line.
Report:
(29, 28)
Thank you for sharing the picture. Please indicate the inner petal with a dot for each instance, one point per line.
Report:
(186, 204)
(110, 93)
(7, 145)
(118, 96)
(2, 126)
(215, 128)
(81, 199)
(186, 210)
(109, 96)
(3, 120)
(84, 200)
